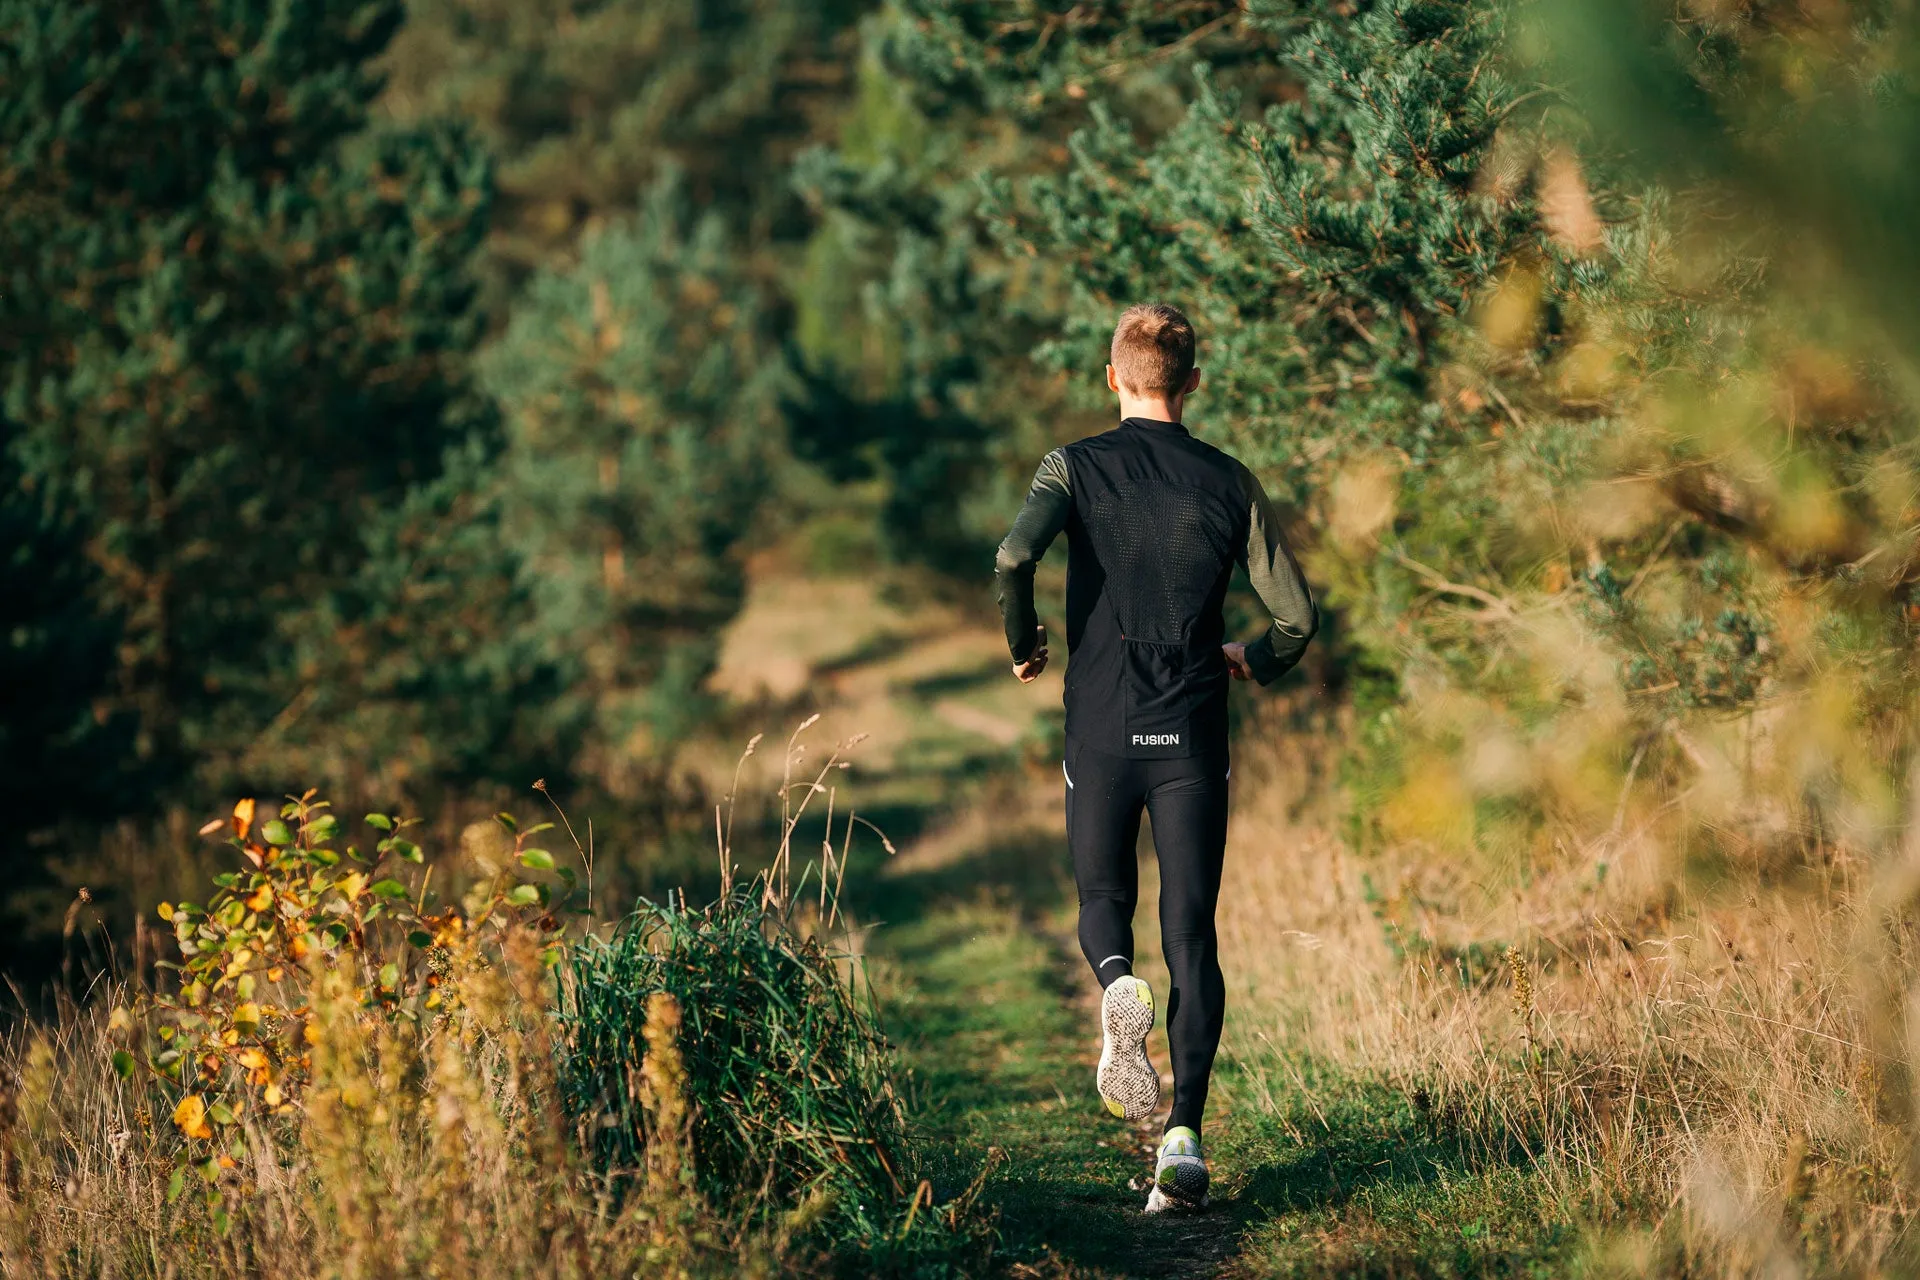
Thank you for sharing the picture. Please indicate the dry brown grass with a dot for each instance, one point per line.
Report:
(444, 1153)
(1711, 1069)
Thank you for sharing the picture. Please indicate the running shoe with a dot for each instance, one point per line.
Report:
(1128, 1083)
(1180, 1176)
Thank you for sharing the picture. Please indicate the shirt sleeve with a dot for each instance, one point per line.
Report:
(1277, 580)
(1034, 529)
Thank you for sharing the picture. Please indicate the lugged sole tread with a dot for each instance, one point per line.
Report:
(1126, 1079)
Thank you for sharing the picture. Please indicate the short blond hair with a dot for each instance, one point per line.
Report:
(1152, 349)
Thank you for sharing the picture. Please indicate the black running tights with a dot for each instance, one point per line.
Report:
(1187, 802)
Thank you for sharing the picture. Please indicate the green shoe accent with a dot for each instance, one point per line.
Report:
(1180, 1141)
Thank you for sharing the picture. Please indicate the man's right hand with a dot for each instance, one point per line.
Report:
(1030, 670)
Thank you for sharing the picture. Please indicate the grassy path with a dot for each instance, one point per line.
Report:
(1315, 1173)
(993, 1010)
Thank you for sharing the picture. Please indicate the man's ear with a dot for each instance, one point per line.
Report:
(1193, 383)
(1113, 380)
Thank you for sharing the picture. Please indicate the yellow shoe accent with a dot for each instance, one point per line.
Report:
(1143, 993)
(1115, 1108)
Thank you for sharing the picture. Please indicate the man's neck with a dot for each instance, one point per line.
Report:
(1159, 409)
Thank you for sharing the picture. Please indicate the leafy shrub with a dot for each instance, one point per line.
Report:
(296, 919)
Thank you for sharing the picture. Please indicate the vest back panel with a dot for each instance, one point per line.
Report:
(1157, 521)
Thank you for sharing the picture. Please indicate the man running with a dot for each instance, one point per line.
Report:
(1155, 523)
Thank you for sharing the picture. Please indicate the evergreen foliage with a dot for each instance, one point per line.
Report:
(232, 325)
(1526, 405)
(640, 390)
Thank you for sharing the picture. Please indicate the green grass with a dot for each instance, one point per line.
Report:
(999, 1051)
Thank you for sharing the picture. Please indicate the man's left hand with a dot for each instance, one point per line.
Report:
(1236, 655)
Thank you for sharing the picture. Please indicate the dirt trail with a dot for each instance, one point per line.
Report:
(995, 1011)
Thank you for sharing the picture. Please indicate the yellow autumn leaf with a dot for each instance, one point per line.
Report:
(353, 884)
(251, 1059)
(271, 1095)
(247, 1013)
(260, 899)
(242, 818)
(299, 946)
(190, 1117)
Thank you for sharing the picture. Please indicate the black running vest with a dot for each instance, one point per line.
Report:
(1157, 521)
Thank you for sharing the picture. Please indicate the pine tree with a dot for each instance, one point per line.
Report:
(232, 324)
(912, 334)
(640, 389)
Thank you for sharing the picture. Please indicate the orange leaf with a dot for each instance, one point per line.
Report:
(242, 817)
(191, 1117)
(255, 854)
(260, 899)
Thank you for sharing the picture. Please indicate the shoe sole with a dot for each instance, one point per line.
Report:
(1159, 1201)
(1126, 1079)
(1183, 1183)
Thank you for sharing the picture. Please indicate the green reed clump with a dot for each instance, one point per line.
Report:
(785, 1069)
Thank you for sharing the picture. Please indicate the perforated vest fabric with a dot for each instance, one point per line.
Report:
(1156, 523)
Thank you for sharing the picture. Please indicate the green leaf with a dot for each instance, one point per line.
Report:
(277, 832)
(122, 1063)
(389, 975)
(226, 879)
(176, 1183)
(524, 895)
(323, 828)
(380, 820)
(409, 850)
(244, 987)
(220, 1113)
(538, 859)
(420, 938)
(325, 857)
(506, 820)
(537, 828)
(567, 875)
(388, 889)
